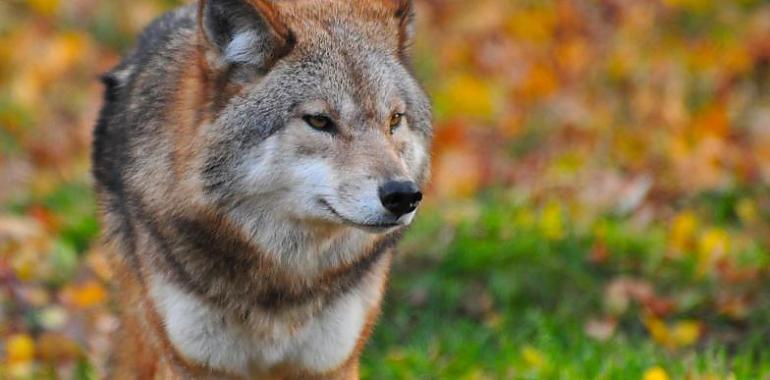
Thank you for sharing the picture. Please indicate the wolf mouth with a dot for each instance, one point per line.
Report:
(348, 221)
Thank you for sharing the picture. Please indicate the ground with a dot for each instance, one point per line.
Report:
(599, 205)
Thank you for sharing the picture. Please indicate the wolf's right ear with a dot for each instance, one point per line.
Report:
(244, 31)
(403, 10)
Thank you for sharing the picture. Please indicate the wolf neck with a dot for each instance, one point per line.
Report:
(211, 259)
(308, 338)
(307, 250)
(229, 306)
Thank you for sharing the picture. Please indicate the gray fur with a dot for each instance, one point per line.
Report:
(239, 201)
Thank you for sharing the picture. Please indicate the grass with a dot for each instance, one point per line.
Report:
(497, 287)
(498, 296)
(501, 287)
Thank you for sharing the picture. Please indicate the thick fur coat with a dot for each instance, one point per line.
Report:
(245, 161)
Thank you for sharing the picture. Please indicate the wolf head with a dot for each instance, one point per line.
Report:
(316, 117)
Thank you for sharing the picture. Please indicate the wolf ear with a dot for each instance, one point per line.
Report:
(245, 31)
(404, 13)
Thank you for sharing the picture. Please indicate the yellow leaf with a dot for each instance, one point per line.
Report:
(25, 266)
(737, 59)
(44, 7)
(551, 222)
(65, 50)
(747, 211)
(655, 373)
(467, 95)
(685, 333)
(681, 334)
(533, 357)
(712, 245)
(525, 218)
(682, 231)
(621, 61)
(534, 25)
(658, 331)
(20, 348)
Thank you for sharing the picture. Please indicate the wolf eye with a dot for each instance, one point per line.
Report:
(319, 122)
(395, 121)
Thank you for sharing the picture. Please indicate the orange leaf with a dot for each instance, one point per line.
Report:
(86, 295)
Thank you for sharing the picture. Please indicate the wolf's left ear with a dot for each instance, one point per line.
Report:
(245, 31)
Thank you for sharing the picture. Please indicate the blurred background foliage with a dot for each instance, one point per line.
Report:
(600, 203)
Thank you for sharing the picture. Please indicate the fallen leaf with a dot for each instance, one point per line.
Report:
(655, 373)
(533, 357)
(20, 348)
(86, 295)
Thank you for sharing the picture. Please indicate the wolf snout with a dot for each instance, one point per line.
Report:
(400, 197)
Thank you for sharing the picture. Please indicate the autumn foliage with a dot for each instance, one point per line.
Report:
(635, 133)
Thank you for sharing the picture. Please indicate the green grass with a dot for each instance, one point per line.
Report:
(497, 296)
(501, 287)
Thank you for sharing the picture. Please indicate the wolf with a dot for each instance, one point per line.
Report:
(256, 162)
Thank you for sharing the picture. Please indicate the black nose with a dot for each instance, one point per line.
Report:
(400, 197)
